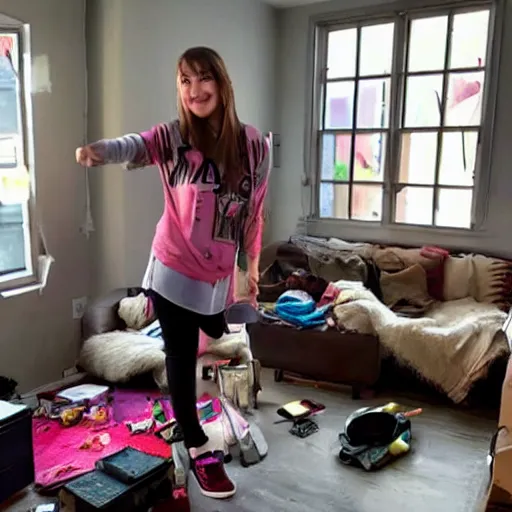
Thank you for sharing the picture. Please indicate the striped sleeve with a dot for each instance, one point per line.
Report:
(159, 144)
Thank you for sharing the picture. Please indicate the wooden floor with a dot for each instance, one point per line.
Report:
(445, 472)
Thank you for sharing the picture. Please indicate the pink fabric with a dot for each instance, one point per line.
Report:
(194, 211)
(462, 90)
(329, 296)
(204, 341)
(6, 45)
(58, 457)
(132, 405)
(57, 454)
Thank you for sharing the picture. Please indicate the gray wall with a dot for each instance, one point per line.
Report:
(132, 61)
(38, 337)
(132, 55)
(293, 79)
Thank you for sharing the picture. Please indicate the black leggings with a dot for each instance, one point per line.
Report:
(180, 331)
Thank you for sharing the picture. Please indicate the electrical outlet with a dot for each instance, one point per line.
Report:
(79, 305)
(69, 372)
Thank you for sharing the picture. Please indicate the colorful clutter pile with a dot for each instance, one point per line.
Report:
(76, 430)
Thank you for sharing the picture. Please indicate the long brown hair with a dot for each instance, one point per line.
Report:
(225, 148)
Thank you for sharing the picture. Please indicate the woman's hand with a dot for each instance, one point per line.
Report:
(88, 157)
(252, 288)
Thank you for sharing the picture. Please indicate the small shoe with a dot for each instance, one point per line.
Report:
(211, 477)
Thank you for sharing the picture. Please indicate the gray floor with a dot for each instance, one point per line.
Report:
(445, 472)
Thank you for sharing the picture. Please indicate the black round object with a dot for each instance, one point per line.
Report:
(372, 428)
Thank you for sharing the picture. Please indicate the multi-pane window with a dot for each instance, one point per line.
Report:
(15, 230)
(401, 117)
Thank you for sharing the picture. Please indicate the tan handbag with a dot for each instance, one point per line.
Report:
(240, 383)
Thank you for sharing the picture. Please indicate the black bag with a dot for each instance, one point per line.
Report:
(373, 438)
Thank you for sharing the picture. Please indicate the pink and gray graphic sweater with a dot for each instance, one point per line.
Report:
(203, 226)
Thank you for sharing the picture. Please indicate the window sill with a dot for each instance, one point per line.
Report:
(359, 231)
(23, 276)
(21, 283)
(22, 290)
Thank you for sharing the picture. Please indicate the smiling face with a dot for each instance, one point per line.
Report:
(199, 91)
(206, 108)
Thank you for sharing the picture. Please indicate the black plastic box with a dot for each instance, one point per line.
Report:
(16, 450)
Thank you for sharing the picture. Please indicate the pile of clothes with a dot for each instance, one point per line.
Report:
(307, 301)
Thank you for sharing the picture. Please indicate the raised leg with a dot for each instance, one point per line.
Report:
(205, 372)
(278, 375)
(356, 392)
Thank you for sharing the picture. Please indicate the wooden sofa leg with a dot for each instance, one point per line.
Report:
(363, 392)
(205, 372)
(278, 375)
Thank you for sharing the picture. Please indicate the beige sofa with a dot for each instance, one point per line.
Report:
(437, 314)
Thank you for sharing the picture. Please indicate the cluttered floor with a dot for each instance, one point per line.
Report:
(446, 470)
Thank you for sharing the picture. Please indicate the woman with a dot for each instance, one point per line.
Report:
(214, 173)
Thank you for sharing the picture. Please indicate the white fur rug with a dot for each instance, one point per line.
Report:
(119, 356)
(452, 346)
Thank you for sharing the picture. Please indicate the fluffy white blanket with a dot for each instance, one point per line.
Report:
(119, 356)
(452, 346)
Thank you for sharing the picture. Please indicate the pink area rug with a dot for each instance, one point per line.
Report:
(58, 456)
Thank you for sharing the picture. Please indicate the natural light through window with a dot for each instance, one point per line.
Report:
(402, 110)
(15, 233)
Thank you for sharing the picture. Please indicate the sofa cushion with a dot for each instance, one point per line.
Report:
(406, 289)
(101, 314)
(136, 312)
(483, 278)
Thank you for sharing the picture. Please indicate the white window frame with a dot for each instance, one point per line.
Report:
(319, 28)
(28, 276)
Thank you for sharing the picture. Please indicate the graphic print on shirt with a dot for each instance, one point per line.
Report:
(206, 172)
(191, 168)
(231, 211)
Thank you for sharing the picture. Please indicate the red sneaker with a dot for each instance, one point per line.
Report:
(209, 471)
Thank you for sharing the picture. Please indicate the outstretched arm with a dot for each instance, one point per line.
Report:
(135, 150)
(129, 149)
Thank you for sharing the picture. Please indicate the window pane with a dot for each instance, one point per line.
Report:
(12, 239)
(8, 152)
(367, 203)
(418, 158)
(336, 152)
(339, 105)
(427, 44)
(9, 123)
(458, 158)
(376, 49)
(342, 53)
(464, 99)
(469, 39)
(423, 101)
(334, 200)
(373, 103)
(370, 157)
(414, 205)
(10, 130)
(454, 208)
